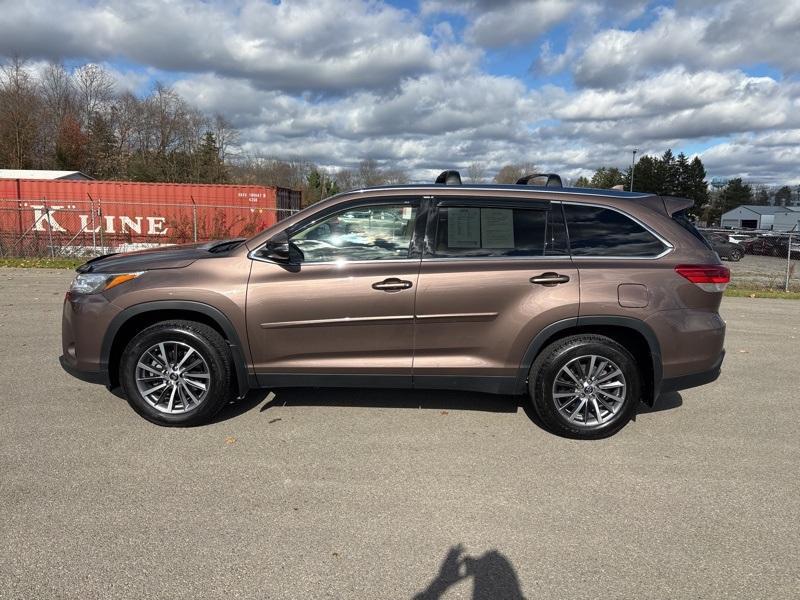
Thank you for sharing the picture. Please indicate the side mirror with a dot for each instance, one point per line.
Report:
(281, 250)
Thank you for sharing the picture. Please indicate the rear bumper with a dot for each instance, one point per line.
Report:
(88, 376)
(691, 380)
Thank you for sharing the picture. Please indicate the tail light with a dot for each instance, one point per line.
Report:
(710, 278)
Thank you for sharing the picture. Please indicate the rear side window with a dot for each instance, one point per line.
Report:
(487, 231)
(596, 231)
(682, 218)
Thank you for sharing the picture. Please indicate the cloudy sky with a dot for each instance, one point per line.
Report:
(568, 85)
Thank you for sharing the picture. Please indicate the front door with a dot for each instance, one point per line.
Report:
(344, 311)
(493, 275)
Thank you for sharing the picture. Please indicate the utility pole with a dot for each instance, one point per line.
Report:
(633, 165)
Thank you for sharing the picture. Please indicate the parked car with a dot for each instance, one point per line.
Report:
(587, 301)
(726, 249)
(738, 238)
(765, 246)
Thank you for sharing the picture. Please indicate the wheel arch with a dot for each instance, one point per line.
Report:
(632, 333)
(127, 323)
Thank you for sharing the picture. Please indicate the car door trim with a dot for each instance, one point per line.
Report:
(458, 317)
(338, 321)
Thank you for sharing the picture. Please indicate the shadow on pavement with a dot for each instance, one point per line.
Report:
(666, 401)
(393, 398)
(493, 576)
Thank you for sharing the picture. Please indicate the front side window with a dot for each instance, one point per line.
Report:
(597, 231)
(487, 231)
(377, 232)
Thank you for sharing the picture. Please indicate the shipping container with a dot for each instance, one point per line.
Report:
(110, 215)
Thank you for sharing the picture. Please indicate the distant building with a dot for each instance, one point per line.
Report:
(788, 220)
(41, 174)
(751, 216)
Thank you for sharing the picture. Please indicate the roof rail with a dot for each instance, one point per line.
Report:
(449, 178)
(550, 180)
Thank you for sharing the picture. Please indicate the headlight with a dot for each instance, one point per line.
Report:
(92, 283)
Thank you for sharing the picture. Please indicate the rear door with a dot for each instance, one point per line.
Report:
(493, 274)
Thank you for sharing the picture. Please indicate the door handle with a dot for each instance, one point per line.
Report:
(549, 279)
(393, 284)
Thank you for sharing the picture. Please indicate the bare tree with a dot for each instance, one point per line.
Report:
(58, 92)
(476, 172)
(369, 173)
(511, 173)
(58, 113)
(346, 180)
(227, 137)
(94, 88)
(19, 116)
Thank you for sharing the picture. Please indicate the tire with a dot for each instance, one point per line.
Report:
(736, 255)
(575, 353)
(191, 393)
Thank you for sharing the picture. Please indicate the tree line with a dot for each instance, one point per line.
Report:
(61, 119)
(56, 118)
(77, 120)
(667, 175)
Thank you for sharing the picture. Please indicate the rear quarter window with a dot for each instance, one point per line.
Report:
(598, 231)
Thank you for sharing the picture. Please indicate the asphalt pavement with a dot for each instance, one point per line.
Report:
(313, 493)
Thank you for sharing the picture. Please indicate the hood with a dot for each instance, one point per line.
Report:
(166, 257)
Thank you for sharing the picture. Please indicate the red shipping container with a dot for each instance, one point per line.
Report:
(79, 212)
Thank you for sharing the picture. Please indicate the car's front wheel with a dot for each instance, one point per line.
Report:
(585, 386)
(736, 254)
(176, 373)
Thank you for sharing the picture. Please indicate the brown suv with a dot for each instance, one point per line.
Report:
(587, 300)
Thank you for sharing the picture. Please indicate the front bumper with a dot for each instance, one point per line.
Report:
(88, 376)
(84, 321)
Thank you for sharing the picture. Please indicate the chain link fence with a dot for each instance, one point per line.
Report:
(53, 229)
(63, 229)
(759, 260)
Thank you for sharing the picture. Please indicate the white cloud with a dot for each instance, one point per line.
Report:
(722, 36)
(318, 45)
(757, 158)
(336, 81)
(519, 23)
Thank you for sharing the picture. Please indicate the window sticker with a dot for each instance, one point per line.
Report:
(464, 227)
(497, 227)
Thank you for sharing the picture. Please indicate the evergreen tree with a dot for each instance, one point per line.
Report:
(783, 196)
(761, 196)
(696, 185)
(582, 182)
(607, 178)
(668, 168)
(210, 165)
(647, 176)
(101, 148)
(682, 176)
(735, 194)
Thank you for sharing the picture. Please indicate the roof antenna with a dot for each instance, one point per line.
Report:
(449, 178)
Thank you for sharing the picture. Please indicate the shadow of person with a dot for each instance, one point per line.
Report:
(493, 576)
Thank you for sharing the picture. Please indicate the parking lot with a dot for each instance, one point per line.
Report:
(767, 272)
(390, 494)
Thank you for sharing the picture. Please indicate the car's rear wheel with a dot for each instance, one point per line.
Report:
(176, 373)
(585, 386)
(736, 254)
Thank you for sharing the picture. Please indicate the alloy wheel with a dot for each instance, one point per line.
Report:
(173, 377)
(589, 391)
